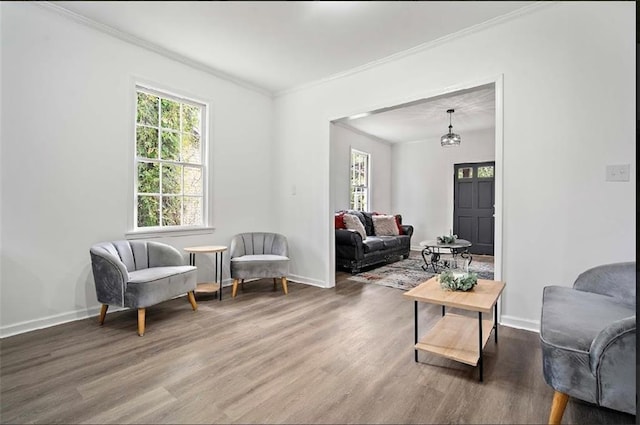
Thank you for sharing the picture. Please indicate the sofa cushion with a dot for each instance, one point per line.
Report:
(360, 216)
(352, 222)
(385, 225)
(372, 243)
(339, 220)
(368, 223)
(391, 241)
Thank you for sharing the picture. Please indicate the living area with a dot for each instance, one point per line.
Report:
(332, 350)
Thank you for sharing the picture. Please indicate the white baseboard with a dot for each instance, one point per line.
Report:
(518, 323)
(307, 281)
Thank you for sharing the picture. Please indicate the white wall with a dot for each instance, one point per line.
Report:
(422, 180)
(342, 141)
(67, 161)
(569, 102)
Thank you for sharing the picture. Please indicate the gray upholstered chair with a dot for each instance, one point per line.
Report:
(259, 255)
(139, 274)
(588, 336)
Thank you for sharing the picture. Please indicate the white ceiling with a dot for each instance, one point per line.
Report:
(428, 119)
(279, 45)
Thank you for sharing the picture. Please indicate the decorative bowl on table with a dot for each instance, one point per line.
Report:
(457, 281)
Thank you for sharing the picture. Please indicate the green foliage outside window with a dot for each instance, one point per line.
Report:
(170, 185)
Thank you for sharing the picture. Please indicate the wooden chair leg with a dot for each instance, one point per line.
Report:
(284, 285)
(103, 313)
(557, 407)
(192, 300)
(234, 290)
(141, 312)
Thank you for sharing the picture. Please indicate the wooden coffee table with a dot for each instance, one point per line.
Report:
(454, 336)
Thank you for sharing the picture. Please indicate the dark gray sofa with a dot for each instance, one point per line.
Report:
(353, 253)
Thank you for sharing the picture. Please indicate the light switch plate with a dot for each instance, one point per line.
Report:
(618, 173)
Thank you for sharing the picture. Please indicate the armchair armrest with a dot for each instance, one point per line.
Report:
(617, 280)
(110, 276)
(348, 237)
(613, 338)
(161, 255)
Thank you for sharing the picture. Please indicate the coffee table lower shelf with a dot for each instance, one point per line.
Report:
(456, 337)
(207, 288)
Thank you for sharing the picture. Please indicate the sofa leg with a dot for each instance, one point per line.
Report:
(234, 290)
(192, 300)
(103, 313)
(141, 312)
(284, 285)
(557, 407)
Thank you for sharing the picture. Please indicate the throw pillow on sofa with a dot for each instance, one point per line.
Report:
(352, 222)
(385, 225)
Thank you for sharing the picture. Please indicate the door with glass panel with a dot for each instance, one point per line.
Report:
(474, 205)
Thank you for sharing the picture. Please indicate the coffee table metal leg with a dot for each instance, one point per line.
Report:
(495, 321)
(219, 276)
(480, 343)
(415, 333)
(443, 310)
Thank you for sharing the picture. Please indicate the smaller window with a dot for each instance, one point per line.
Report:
(359, 185)
(465, 173)
(485, 172)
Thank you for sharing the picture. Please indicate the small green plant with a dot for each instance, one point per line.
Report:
(450, 282)
(447, 238)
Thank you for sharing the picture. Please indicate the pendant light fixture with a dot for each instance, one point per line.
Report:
(450, 139)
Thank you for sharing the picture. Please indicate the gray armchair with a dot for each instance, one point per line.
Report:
(588, 337)
(139, 274)
(259, 255)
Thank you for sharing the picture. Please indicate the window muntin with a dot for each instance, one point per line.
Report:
(359, 182)
(170, 172)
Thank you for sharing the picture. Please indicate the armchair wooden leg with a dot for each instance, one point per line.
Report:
(234, 290)
(192, 300)
(557, 407)
(284, 285)
(141, 312)
(103, 313)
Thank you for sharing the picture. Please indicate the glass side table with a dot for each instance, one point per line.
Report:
(216, 285)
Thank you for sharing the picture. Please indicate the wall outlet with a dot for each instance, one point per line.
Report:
(618, 173)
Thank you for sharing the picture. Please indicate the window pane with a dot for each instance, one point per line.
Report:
(147, 142)
(192, 211)
(465, 173)
(170, 149)
(148, 177)
(171, 179)
(192, 181)
(147, 109)
(171, 211)
(485, 172)
(191, 148)
(190, 119)
(148, 211)
(170, 114)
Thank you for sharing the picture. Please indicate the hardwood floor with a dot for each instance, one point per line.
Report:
(342, 355)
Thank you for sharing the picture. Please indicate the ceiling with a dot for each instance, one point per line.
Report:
(428, 119)
(275, 46)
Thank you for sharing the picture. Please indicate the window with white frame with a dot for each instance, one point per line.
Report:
(170, 190)
(359, 187)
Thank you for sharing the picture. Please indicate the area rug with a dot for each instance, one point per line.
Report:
(407, 274)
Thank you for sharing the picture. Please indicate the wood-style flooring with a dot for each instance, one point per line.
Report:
(315, 356)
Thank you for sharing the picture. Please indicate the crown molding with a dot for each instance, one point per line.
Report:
(362, 133)
(150, 46)
(422, 47)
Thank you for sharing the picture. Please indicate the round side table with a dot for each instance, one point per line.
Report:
(216, 285)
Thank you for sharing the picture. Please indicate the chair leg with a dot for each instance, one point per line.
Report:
(103, 313)
(284, 285)
(141, 312)
(242, 284)
(192, 300)
(234, 290)
(557, 407)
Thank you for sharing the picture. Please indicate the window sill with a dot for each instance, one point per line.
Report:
(161, 233)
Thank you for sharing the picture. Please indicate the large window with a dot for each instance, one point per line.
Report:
(359, 188)
(170, 161)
